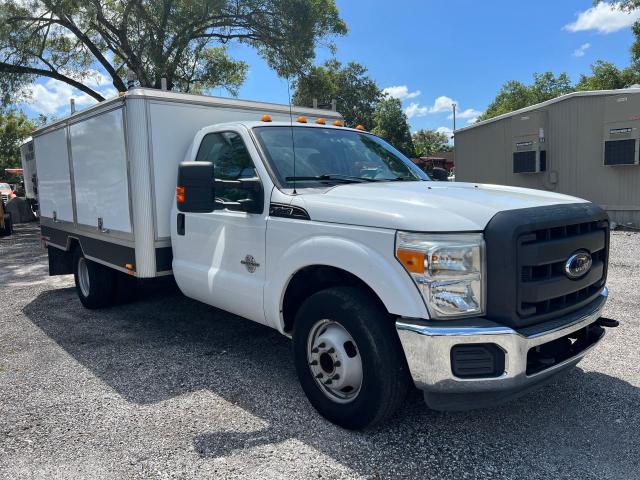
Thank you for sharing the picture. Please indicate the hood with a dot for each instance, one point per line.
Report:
(422, 206)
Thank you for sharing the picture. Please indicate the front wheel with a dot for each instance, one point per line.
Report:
(348, 357)
(94, 282)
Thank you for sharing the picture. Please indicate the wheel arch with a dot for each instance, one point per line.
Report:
(330, 261)
(313, 278)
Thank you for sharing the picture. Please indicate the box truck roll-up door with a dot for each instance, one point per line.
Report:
(100, 172)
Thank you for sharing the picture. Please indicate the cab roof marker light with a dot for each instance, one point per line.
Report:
(321, 121)
(302, 119)
(266, 118)
(338, 123)
(360, 127)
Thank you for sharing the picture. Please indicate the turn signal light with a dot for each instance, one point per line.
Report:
(360, 127)
(266, 118)
(320, 121)
(412, 261)
(302, 119)
(338, 123)
(180, 193)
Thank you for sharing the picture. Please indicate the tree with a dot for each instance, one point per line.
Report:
(14, 128)
(390, 123)
(181, 40)
(354, 91)
(606, 76)
(514, 95)
(430, 142)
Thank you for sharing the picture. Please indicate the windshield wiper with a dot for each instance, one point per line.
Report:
(332, 176)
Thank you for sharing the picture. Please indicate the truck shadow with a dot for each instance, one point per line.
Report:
(167, 345)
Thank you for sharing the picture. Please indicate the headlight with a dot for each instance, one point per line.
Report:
(448, 269)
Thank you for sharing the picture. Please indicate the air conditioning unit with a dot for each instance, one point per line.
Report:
(530, 161)
(529, 142)
(621, 133)
(621, 146)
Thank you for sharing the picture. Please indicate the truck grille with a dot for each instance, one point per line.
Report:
(544, 287)
(526, 254)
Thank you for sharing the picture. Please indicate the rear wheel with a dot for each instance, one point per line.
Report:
(94, 282)
(348, 357)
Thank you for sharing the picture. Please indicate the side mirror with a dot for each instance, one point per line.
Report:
(195, 191)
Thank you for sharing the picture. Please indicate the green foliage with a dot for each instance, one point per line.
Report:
(430, 142)
(14, 128)
(390, 123)
(181, 40)
(606, 76)
(354, 91)
(515, 95)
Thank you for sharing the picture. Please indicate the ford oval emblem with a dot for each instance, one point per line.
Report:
(578, 264)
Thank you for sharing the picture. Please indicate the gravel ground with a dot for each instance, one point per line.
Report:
(169, 388)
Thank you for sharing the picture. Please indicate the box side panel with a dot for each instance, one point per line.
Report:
(100, 171)
(54, 187)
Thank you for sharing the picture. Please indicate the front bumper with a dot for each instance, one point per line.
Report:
(428, 349)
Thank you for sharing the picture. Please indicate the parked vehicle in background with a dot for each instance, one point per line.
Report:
(382, 278)
(6, 192)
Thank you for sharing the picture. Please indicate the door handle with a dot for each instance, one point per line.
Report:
(180, 223)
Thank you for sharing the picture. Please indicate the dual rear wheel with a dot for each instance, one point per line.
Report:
(98, 286)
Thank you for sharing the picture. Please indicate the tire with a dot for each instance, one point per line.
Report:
(94, 282)
(327, 316)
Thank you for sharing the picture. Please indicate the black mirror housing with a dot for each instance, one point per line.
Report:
(195, 191)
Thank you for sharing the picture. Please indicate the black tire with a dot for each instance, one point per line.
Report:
(385, 375)
(100, 291)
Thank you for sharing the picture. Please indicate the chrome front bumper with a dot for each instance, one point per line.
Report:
(427, 346)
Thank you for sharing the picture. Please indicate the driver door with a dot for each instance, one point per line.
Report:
(219, 257)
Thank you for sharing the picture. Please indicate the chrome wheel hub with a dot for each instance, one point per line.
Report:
(334, 361)
(83, 277)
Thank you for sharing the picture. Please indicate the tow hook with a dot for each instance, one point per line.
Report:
(607, 322)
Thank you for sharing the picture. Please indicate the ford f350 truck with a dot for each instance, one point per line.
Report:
(383, 278)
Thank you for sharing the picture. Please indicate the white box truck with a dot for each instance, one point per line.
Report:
(383, 278)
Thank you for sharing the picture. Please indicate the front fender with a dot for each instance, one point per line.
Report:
(380, 271)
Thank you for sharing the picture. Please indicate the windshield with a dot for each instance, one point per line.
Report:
(4, 186)
(327, 155)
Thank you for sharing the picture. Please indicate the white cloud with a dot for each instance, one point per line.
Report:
(401, 92)
(53, 96)
(469, 113)
(446, 130)
(415, 110)
(604, 17)
(440, 104)
(580, 51)
(472, 120)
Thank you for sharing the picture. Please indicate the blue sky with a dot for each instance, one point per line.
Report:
(436, 51)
